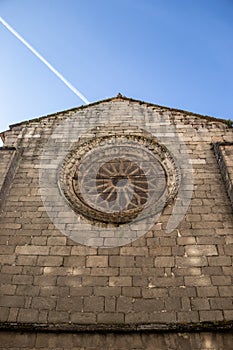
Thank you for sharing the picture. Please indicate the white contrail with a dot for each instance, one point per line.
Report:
(42, 59)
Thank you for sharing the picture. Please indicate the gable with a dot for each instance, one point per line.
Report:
(123, 105)
(143, 240)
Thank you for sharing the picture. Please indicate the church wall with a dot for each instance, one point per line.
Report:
(178, 278)
(118, 341)
(8, 160)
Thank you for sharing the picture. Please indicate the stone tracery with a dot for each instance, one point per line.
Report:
(118, 178)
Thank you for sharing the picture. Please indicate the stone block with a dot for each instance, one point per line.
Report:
(151, 293)
(47, 291)
(197, 281)
(27, 290)
(164, 261)
(32, 250)
(58, 317)
(134, 251)
(50, 261)
(124, 303)
(97, 261)
(207, 291)
(7, 289)
(226, 291)
(83, 250)
(54, 241)
(200, 304)
(93, 304)
(221, 280)
(121, 281)
(110, 318)
(109, 304)
(22, 279)
(69, 304)
(107, 291)
(104, 271)
(12, 301)
(44, 303)
(83, 318)
(134, 292)
(4, 314)
(121, 261)
(196, 261)
(182, 291)
(211, 316)
(219, 261)
(28, 316)
(71, 281)
(95, 281)
(149, 305)
(45, 280)
(223, 303)
(60, 250)
(201, 250)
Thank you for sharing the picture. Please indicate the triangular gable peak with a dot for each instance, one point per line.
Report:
(185, 117)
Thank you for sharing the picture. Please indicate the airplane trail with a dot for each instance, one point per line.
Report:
(42, 59)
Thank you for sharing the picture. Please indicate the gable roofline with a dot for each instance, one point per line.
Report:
(120, 97)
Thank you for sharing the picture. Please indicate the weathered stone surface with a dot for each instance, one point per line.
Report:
(9, 160)
(184, 276)
(84, 341)
(224, 153)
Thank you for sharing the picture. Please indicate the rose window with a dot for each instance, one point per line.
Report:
(118, 179)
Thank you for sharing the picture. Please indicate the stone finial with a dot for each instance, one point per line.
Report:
(119, 95)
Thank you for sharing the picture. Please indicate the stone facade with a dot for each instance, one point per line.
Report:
(52, 278)
(224, 153)
(117, 341)
(8, 160)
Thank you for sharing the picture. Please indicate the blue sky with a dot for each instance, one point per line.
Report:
(176, 53)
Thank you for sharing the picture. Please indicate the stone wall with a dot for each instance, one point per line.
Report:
(119, 341)
(8, 160)
(224, 153)
(50, 280)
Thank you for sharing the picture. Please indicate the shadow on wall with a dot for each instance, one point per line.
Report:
(124, 341)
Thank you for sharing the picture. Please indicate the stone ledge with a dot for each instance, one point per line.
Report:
(223, 326)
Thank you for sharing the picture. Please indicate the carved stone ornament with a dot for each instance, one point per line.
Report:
(119, 178)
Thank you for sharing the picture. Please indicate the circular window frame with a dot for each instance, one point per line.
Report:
(85, 146)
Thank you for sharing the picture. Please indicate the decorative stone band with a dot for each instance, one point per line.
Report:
(119, 178)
